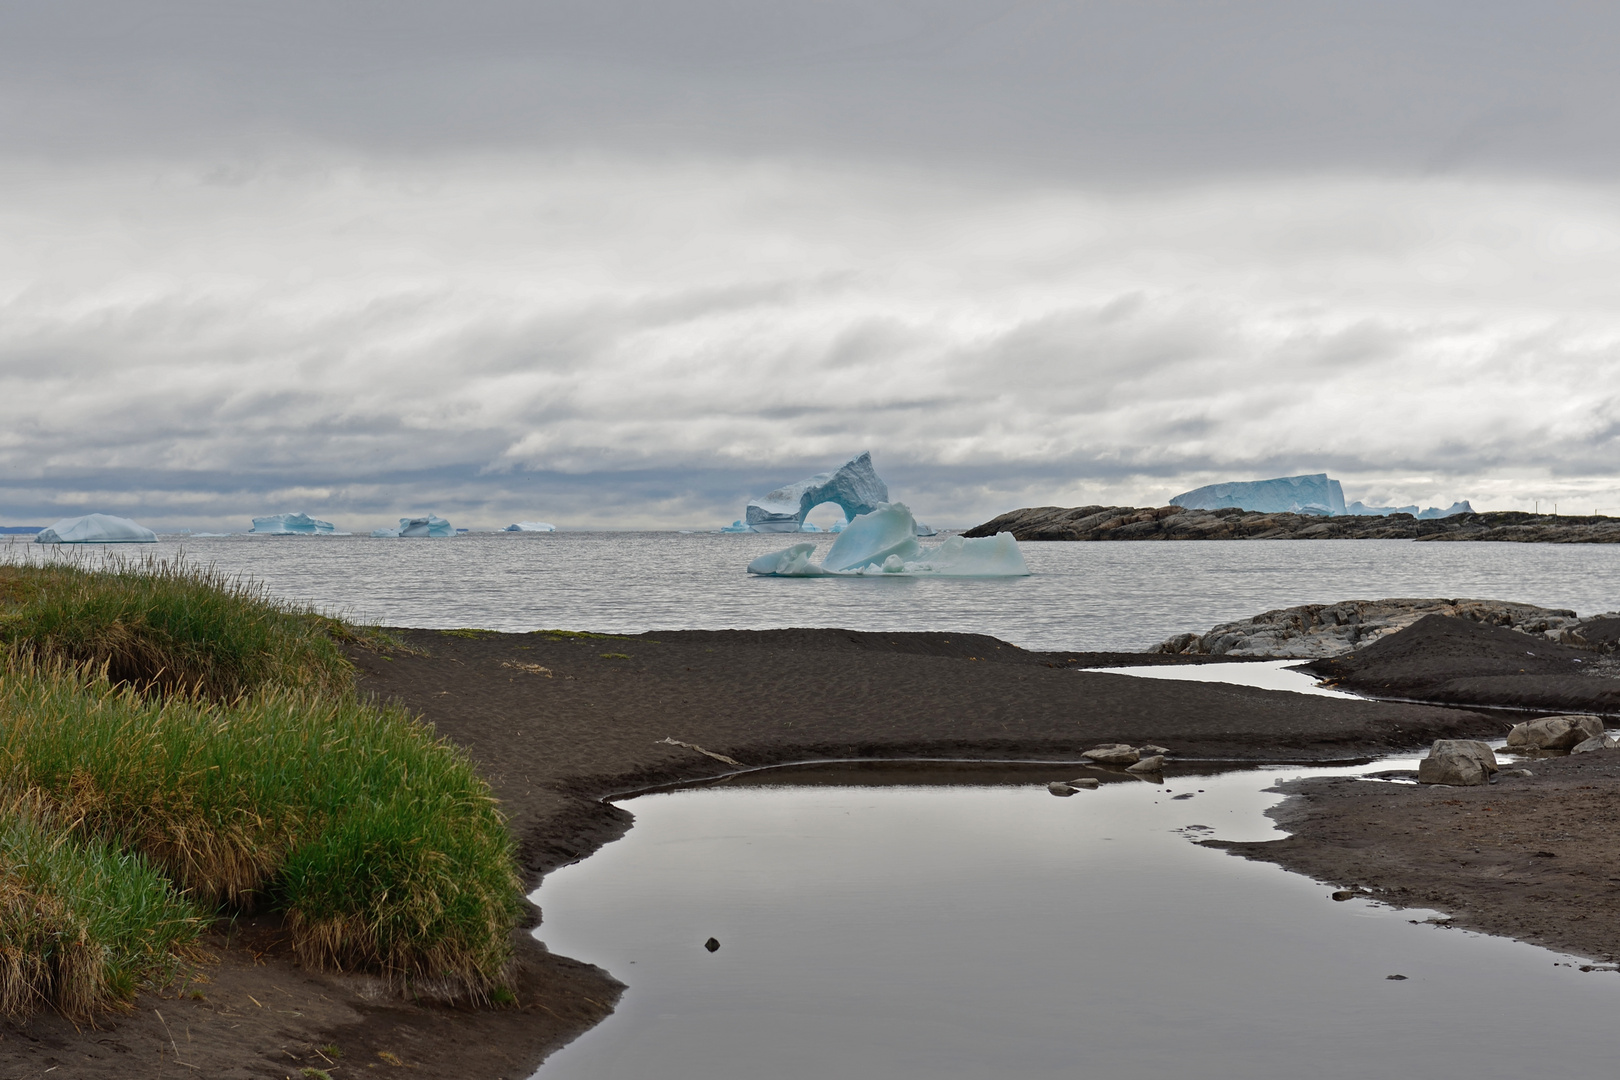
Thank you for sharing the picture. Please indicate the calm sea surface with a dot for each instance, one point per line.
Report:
(1081, 595)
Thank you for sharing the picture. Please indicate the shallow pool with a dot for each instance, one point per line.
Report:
(951, 928)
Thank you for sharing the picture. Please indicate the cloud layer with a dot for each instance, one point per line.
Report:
(621, 341)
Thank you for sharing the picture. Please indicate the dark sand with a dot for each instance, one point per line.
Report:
(558, 722)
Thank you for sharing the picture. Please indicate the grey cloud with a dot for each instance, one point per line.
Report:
(1105, 89)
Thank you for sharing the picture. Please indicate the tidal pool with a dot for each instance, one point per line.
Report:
(960, 922)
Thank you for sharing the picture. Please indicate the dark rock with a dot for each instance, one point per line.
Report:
(713, 944)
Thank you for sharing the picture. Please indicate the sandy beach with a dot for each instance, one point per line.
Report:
(558, 722)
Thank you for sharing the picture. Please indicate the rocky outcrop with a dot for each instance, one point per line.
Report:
(1318, 630)
(1181, 523)
(1458, 763)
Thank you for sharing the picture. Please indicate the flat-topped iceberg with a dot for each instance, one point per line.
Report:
(885, 542)
(1315, 493)
(432, 525)
(854, 487)
(1312, 494)
(531, 526)
(96, 529)
(298, 524)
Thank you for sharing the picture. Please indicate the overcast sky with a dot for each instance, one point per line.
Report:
(627, 264)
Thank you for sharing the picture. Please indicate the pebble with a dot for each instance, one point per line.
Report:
(713, 944)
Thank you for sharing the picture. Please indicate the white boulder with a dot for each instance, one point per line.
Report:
(1457, 763)
(96, 529)
(1555, 732)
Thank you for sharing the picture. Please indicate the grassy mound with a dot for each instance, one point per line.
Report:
(377, 839)
(170, 627)
(81, 924)
(172, 739)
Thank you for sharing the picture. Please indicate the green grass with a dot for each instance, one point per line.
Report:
(376, 838)
(170, 627)
(82, 924)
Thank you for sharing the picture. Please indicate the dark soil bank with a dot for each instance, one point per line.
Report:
(557, 721)
(1532, 859)
(1462, 662)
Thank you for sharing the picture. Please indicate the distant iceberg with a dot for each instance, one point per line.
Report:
(1315, 493)
(738, 526)
(96, 529)
(885, 542)
(291, 525)
(1358, 509)
(1312, 494)
(432, 525)
(531, 526)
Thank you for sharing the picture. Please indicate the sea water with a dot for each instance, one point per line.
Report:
(964, 932)
(1084, 596)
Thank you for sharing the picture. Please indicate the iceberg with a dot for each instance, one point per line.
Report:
(96, 529)
(738, 526)
(854, 487)
(1359, 509)
(432, 525)
(291, 525)
(1312, 494)
(531, 526)
(884, 542)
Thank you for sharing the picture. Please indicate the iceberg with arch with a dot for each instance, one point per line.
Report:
(854, 487)
(297, 524)
(96, 529)
(884, 541)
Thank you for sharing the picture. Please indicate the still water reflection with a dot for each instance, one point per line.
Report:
(937, 931)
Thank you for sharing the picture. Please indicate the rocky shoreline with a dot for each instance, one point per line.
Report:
(1180, 523)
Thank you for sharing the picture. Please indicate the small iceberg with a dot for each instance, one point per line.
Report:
(298, 524)
(96, 529)
(531, 526)
(737, 527)
(432, 525)
(885, 542)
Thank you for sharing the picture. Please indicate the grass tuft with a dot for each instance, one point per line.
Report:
(377, 839)
(170, 627)
(82, 924)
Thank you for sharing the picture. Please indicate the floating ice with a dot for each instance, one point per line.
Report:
(1312, 494)
(885, 542)
(1360, 509)
(292, 525)
(531, 526)
(738, 526)
(854, 487)
(96, 529)
(432, 525)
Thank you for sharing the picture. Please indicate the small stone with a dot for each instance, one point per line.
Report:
(1395, 978)
(1596, 742)
(1146, 751)
(1090, 783)
(1060, 789)
(1148, 765)
(1346, 894)
(713, 944)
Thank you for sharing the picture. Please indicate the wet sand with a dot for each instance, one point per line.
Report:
(557, 722)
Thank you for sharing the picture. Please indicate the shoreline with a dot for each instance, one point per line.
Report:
(558, 723)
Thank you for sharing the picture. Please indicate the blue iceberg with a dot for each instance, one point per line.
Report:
(297, 524)
(96, 529)
(1312, 494)
(1359, 509)
(432, 525)
(884, 542)
(854, 487)
(531, 526)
